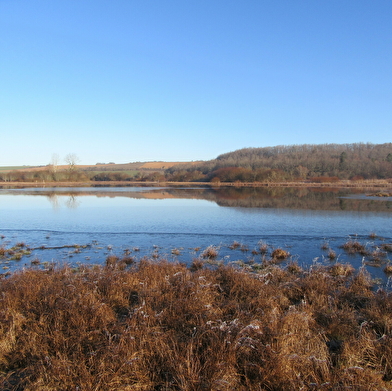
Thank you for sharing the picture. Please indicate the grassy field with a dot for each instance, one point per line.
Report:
(11, 168)
(156, 325)
(104, 167)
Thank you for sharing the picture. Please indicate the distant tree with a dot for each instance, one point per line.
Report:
(53, 165)
(72, 159)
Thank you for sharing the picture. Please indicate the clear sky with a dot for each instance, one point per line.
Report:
(183, 80)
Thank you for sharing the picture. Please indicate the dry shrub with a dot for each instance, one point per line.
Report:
(263, 248)
(128, 260)
(325, 246)
(162, 326)
(234, 245)
(111, 260)
(197, 264)
(340, 269)
(176, 251)
(377, 256)
(244, 248)
(354, 247)
(387, 247)
(294, 268)
(388, 269)
(210, 252)
(279, 254)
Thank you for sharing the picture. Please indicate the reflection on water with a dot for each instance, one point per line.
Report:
(175, 221)
(71, 201)
(275, 197)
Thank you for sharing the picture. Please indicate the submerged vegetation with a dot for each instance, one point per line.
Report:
(155, 325)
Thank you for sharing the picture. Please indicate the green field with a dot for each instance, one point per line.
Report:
(11, 168)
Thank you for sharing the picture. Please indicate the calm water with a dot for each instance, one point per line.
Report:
(161, 220)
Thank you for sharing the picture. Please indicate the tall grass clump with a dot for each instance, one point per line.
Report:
(210, 252)
(157, 325)
(355, 247)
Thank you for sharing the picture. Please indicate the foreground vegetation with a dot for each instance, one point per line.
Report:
(155, 325)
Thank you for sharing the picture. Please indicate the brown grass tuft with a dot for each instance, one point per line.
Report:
(263, 248)
(387, 247)
(234, 245)
(210, 252)
(341, 270)
(354, 247)
(280, 254)
(388, 269)
(294, 268)
(197, 264)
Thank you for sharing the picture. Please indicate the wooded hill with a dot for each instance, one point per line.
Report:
(315, 163)
(327, 162)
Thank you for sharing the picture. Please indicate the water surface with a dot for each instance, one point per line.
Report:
(158, 220)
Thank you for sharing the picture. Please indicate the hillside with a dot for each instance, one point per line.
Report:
(297, 162)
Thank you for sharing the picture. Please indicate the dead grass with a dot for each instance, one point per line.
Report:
(340, 269)
(388, 269)
(211, 252)
(355, 247)
(387, 247)
(234, 245)
(162, 326)
(279, 254)
(263, 248)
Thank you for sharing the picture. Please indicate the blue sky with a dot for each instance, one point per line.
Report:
(177, 80)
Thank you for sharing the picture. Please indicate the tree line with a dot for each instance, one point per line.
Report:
(321, 162)
(307, 162)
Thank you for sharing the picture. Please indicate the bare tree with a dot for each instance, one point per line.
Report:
(72, 159)
(53, 165)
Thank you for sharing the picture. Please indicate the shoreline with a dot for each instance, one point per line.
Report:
(370, 184)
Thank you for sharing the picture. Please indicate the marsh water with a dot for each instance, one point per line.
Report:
(179, 223)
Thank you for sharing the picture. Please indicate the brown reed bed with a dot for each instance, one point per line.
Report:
(157, 325)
